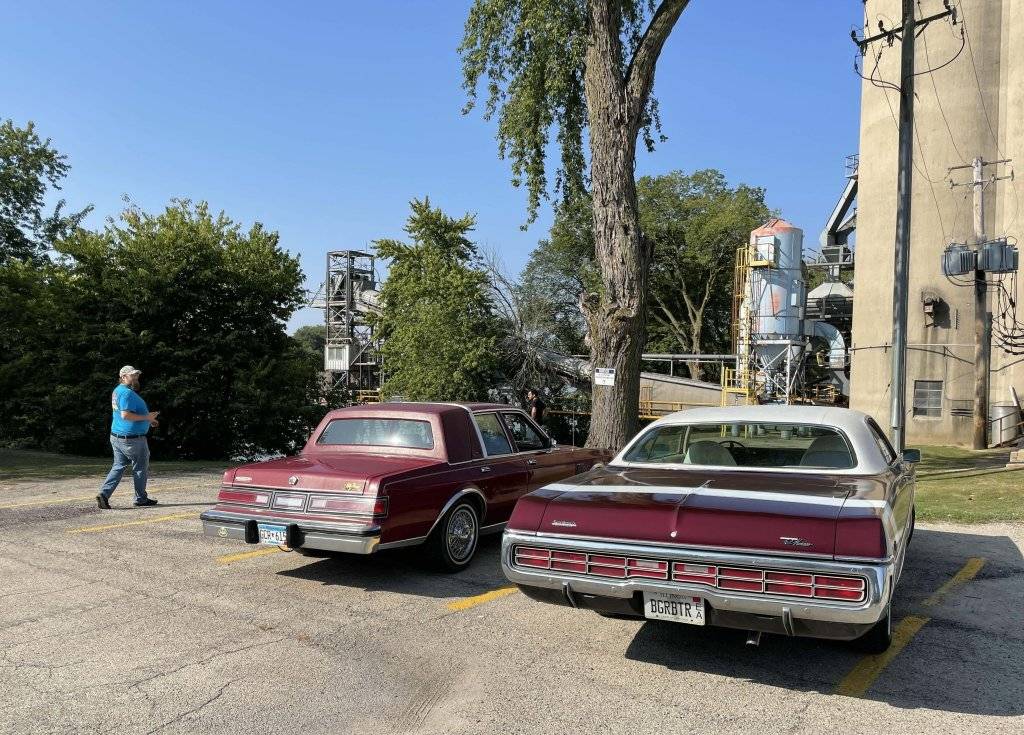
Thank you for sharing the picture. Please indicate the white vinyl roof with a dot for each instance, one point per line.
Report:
(853, 424)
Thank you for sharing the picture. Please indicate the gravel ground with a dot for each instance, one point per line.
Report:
(140, 624)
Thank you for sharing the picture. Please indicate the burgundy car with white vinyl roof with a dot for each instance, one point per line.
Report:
(784, 519)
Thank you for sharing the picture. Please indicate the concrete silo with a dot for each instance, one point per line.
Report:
(971, 106)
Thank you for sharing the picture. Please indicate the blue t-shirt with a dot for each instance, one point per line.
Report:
(125, 399)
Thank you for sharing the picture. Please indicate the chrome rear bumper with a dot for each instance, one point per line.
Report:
(795, 616)
(323, 536)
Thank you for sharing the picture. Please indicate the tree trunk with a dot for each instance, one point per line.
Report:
(615, 316)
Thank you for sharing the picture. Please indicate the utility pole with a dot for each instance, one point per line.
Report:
(982, 316)
(906, 33)
(898, 382)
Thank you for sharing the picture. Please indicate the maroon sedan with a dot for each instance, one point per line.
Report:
(782, 519)
(396, 474)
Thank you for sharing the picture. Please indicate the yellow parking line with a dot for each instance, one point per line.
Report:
(864, 674)
(228, 558)
(968, 572)
(468, 602)
(158, 519)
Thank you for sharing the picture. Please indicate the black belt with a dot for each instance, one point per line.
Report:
(127, 436)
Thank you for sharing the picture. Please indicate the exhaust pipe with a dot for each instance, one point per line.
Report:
(754, 638)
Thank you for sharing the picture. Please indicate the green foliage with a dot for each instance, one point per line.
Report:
(560, 269)
(28, 167)
(312, 337)
(696, 222)
(530, 56)
(193, 300)
(437, 324)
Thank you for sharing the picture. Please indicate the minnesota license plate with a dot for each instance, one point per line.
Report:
(677, 608)
(271, 534)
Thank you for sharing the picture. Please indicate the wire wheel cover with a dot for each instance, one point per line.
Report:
(462, 533)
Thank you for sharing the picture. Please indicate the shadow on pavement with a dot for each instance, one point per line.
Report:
(407, 571)
(969, 657)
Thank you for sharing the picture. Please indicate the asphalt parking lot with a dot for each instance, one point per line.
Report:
(132, 621)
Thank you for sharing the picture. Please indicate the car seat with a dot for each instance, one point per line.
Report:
(709, 453)
(828, 451)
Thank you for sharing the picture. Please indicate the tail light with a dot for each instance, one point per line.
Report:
(244, 497)
(569, 561)
(744, 579)
(862, 537)
(376, 506)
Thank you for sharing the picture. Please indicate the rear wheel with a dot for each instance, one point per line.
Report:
(455, 539)
(879, 638)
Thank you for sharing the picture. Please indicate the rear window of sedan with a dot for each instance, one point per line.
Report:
(370, 432)
(742, 444)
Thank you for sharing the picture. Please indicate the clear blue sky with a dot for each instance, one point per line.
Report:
(323, 119)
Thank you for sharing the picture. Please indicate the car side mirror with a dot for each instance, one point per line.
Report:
(911, 456)
(552, 442)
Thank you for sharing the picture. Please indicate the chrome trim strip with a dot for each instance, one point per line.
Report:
(870, 610)
(670, 545)
(451, 501)
(493, 528)
(402, 543)
(219, 516)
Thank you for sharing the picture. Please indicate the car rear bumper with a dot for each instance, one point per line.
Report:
(301, 534)
(726, 608)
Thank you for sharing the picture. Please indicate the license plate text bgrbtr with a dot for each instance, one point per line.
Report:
(675, 608)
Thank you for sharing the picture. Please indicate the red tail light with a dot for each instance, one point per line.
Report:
(377, 506)
(744, 579)
(244, 497)
(569, 562)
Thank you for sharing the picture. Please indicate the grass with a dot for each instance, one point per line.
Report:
(939, 458)
(20, 464)
(968, 486)
(977, 496)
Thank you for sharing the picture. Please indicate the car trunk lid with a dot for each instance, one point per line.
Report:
(343, 472)
(743, 511)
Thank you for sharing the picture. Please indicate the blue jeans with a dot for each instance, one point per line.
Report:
(134, 452)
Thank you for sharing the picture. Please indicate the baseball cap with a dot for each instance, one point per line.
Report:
(129, 370)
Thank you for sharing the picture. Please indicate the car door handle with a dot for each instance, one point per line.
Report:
(531, 461)
(485, 469)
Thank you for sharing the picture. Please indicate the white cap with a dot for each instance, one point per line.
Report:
(129, 370)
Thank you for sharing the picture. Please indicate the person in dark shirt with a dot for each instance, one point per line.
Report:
(536, 406)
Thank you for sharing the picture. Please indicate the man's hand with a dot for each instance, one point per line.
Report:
(152, 418)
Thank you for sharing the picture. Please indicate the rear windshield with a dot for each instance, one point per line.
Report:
(745, 445)
(378, 433)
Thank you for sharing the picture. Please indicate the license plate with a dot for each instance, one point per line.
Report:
(677, 608)
(272, 535)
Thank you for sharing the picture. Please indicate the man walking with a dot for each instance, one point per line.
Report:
(130, 422)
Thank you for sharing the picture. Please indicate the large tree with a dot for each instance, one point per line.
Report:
(696, 222)
(195, 301)
(29, 168)
(437, 323)
(579, 65)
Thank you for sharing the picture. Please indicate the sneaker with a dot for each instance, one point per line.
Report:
(102, 502)
(145, 503)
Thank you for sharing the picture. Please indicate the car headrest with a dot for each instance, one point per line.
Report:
(709, 453)
(827, 451)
